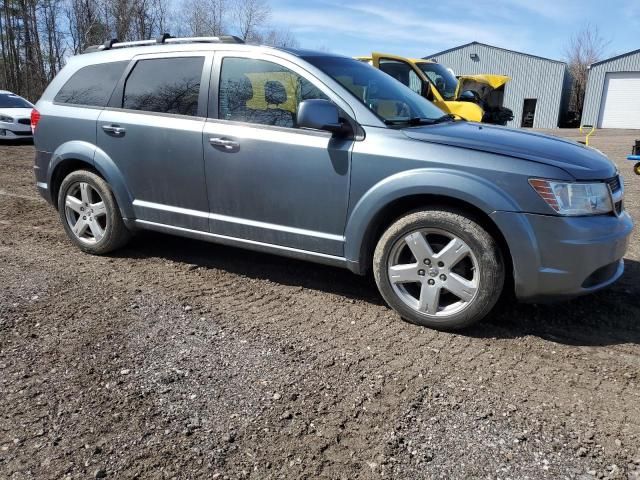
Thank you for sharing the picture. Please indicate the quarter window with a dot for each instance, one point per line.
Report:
(258, 91)
(91, 85)
(165, 85)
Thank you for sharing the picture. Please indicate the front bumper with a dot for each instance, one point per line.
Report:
(15, 131)
(8, 134)
(562, 257)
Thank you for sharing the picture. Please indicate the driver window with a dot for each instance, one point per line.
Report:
(437, 80)
(402, 72)
(258, 91)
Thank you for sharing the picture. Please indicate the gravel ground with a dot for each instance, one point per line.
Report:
(180, 359)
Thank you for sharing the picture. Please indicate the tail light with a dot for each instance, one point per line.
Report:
(35, 118)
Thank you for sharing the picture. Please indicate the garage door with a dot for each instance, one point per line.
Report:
(620, 106)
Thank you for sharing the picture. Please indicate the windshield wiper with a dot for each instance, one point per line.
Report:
(445, 118)
(411, 121)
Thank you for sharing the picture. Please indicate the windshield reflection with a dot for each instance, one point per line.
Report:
(389, 99)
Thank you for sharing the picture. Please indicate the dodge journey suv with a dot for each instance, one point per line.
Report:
(324, 158)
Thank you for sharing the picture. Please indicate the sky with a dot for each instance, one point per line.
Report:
(423, 27)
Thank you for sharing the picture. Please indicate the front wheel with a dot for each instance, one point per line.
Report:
(439, 268)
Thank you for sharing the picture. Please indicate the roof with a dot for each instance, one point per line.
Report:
(497, 48)
(615, 58)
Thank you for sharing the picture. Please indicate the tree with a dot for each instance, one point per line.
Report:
(36, 35)
(205, 18)
(280, 38)
(248, 17)
(584, 48)
(87, 24)
(53, 34)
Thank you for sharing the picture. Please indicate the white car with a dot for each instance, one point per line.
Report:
(15, 116)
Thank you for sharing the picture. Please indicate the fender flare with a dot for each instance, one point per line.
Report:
(456, 185)
(93, 156)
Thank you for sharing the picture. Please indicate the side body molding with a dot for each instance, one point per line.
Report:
(86, 152)
(458, 185)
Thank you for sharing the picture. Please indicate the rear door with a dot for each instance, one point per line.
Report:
(152, 130)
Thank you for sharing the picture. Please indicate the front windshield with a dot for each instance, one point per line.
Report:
(13, 101)
(383, 95)
(445, 81)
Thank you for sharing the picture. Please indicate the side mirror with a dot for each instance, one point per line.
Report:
(320, 115)
(468, 96)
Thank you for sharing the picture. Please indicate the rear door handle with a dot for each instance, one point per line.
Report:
(225, 143)
(114, 130)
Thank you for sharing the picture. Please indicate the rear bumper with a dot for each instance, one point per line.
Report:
(563, 257)
(40, 170)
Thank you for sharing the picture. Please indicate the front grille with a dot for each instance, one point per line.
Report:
(24, 121)
(614, 183)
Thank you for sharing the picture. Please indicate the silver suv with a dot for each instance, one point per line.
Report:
(324, 158)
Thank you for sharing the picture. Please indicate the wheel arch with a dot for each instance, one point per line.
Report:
(78, 155)
(393, 198)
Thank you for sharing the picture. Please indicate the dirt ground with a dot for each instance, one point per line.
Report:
(181, 359)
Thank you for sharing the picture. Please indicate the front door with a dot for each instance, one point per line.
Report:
(267, 180)
(153, 133)
(408, 74)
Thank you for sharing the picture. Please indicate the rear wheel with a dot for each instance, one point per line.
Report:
(89, 213)
(439, 268)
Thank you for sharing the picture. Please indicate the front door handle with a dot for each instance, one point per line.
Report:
(225, 143)
(114, 130)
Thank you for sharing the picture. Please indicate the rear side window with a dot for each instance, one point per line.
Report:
(165, 85)
(91, 85)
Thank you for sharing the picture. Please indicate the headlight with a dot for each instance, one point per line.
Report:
(4, 118)
(574, 198)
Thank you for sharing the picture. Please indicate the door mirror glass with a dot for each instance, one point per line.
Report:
(320, 115)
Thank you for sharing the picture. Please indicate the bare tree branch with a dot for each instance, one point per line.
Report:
(36, 35)
(249, 16)
(584, 48)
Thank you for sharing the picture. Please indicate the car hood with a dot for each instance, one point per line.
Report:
(582, 162)
(16, 112)
(494, 81)
(483, 84)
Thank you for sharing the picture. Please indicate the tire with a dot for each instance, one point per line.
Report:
(449, 280)
(90, 214)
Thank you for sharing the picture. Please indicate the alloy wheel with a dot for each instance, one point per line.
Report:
(86, 213)
(433, 272)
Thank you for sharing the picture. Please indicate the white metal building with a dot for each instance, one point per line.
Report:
(612, 99)
(538, 92)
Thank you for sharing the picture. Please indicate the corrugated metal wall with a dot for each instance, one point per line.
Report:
(532, 77)
(595, 84)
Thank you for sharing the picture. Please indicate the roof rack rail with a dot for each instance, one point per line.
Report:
(165, 38)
